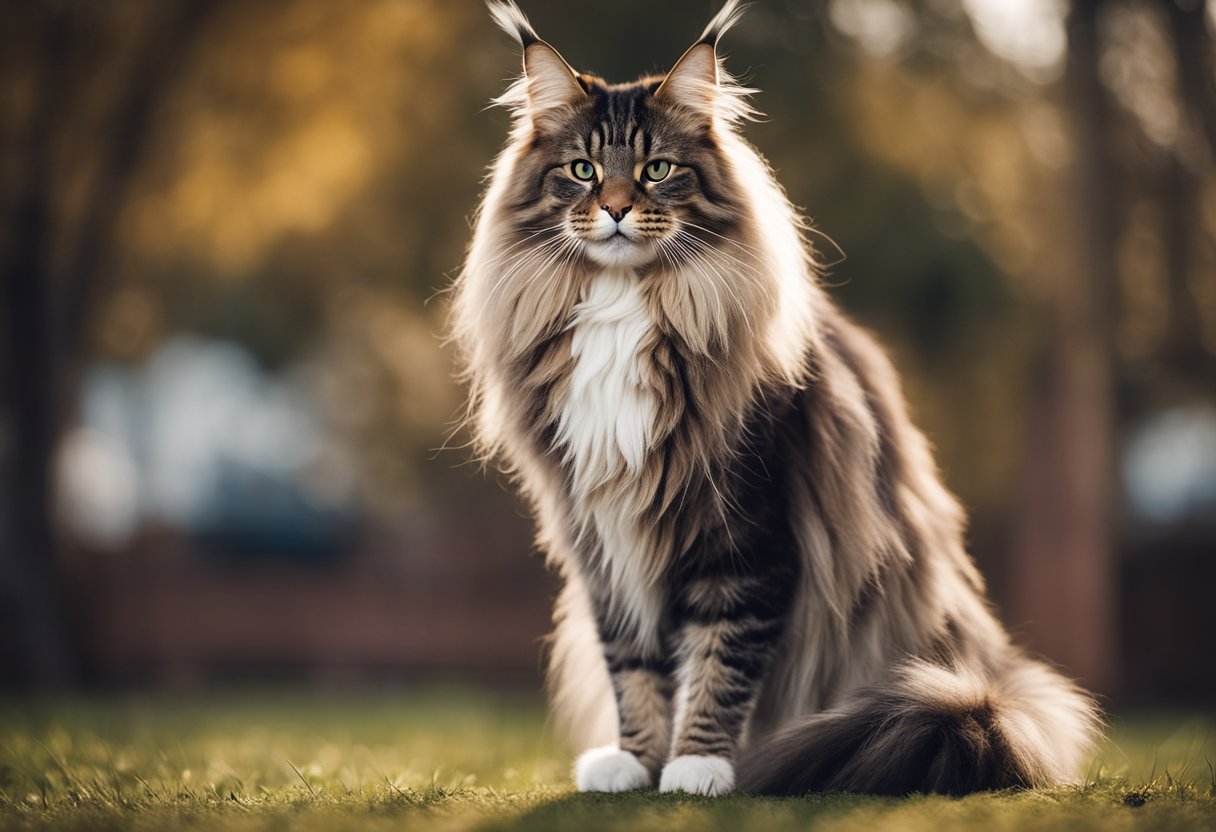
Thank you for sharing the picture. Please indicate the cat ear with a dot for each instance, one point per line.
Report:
(549, 82)
(694, 82)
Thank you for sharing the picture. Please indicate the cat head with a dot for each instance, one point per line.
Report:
(626, 175)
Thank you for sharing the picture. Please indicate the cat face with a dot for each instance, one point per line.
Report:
(621, 175)
(630, 177)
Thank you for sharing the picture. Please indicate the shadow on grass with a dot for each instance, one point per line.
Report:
(1095, 808)
(647, 810)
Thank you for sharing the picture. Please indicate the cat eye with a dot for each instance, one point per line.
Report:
(657, 171)
(582, 170)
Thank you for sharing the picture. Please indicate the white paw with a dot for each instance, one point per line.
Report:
(698, 774)
(608, 769)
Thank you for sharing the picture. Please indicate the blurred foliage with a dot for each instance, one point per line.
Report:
(299, 178)
(309, 175)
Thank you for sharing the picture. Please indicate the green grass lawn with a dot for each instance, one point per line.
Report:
(453, 759)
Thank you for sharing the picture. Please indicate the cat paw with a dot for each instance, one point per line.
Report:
(698, 774)
(608, 769)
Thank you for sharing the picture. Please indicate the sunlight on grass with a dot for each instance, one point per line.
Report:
(454, 759)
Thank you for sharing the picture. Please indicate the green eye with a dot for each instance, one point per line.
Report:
(656, 171)
(583, 170)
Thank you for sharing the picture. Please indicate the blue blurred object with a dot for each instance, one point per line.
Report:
(202, 440)
(253, 515)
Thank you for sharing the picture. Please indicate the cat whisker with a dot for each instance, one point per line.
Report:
(734, 242)
(713, 275)
(708, 262)
(542, 250)
(683, 234)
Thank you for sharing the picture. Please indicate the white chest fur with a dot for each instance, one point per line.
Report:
(605, 432)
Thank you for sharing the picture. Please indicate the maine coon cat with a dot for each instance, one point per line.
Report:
(765, 585)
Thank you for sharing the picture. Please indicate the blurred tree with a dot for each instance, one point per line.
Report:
(1025, 222)
(1065, 554)
(1123, 160)
(1091, 189)
(238, 169)
(1190, 252)
(52, 276)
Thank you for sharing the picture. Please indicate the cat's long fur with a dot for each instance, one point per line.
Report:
(765, 580)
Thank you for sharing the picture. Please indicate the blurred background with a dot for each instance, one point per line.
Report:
(226, 408)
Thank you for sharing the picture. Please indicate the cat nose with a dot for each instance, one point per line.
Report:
(618, 211)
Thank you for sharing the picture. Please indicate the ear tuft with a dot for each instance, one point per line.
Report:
(548, 81)
(697, 81)
(726, 17)
(513, 21)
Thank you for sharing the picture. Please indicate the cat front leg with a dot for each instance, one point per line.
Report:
(731, 626)
(643, 688)
(643, 684)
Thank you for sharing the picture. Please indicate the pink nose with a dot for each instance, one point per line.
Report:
(618, 211)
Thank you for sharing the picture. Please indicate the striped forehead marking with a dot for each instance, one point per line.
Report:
(617, 123)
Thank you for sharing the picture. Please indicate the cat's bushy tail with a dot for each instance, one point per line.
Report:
(934, 729)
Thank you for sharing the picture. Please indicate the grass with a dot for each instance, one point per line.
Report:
(459, 760)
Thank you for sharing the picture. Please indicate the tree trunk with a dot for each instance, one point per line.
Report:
(1190, 249)
(48, 315)
(35, 646)
(1063, 575)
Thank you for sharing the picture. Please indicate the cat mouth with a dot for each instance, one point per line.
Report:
(617, 238)
(618, 234)
(619, 249)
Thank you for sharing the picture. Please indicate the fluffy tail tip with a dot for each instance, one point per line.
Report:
(933, 729)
